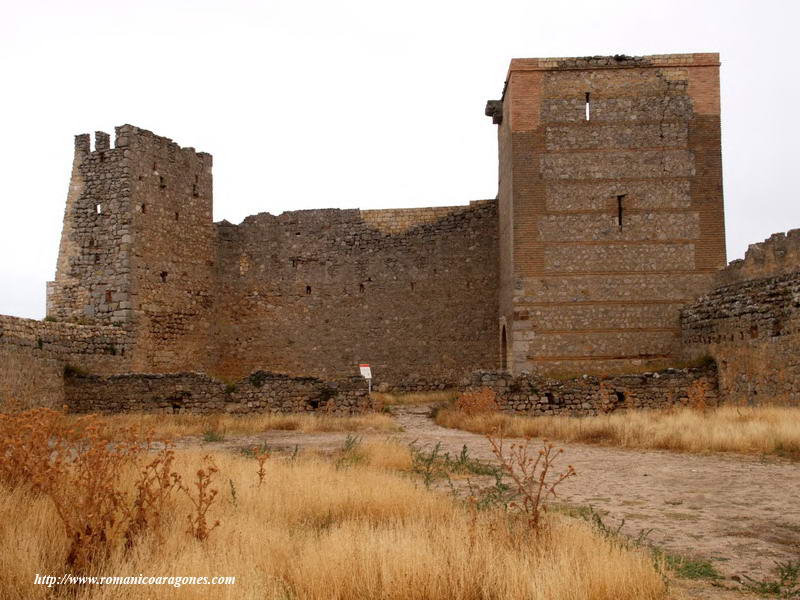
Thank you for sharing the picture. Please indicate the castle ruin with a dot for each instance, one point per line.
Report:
(606, 234)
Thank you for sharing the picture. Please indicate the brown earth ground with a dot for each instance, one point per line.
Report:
(741, 513)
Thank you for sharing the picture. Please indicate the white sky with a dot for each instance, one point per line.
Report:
(351, 103)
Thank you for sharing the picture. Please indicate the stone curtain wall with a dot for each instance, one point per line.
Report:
(589, 395)
(752, 329)
(34, 354)
(413, 293)
(197, 393)
(615, 221)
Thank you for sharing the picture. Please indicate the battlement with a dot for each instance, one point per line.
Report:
(618, 61)
(777, 255)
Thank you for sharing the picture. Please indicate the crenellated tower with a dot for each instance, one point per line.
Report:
(137, 246)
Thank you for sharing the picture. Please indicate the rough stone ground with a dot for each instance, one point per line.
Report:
(741, 512)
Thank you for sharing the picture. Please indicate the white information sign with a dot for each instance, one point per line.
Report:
(366, 373)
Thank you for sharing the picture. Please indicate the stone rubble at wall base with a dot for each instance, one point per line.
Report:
(590, 395)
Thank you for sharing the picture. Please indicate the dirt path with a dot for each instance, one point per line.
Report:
(743, 513)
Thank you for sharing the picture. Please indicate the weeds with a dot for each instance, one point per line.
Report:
(74, 465)
(202, 498)
(232, 489)
(211, 435)
(531, 475)
(786, 586)
(349, 454)
(687, 567)
(261, 455)
(475, 403)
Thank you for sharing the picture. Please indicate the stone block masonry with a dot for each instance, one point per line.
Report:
(610, 208)
(413, 293)
(603, 254)
(34, 355)
(261, 392)
(751, 327)
(589, 395)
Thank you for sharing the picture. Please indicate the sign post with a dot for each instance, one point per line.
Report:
(366, 373)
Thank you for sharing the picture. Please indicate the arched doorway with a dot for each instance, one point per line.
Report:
(503, 350)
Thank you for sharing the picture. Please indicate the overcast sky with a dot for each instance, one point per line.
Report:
(352, 103)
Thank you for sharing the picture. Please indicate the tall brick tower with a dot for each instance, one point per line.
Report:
(611, 209)
(137, 246)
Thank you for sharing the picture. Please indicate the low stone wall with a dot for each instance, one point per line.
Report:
(413, 385)
(752, 330)
(589, 395)
(260, 392)
(33, 355)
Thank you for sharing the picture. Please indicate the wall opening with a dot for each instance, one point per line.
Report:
(620, 397)
(144, 208)
(361, 288)
(161, 183)
(308, 290)
(588, 107)
(620, 209)
(99, 208)
(163, 275)
(176, 216)
(503, 350)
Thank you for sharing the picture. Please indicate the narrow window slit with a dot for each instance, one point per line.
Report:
(308, 290)
(620, 209)
(588, 107)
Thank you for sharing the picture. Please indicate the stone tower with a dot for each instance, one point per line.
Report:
(137, 247)
(610, 207)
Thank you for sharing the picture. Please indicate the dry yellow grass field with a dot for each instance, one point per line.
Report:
(179, 425)
(316, 531)
(750, 430)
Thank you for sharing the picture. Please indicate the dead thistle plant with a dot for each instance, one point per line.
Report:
(698, 395)
(152, 491)
(261, 455)
(202, 501)
(481, 401)
(531, 474)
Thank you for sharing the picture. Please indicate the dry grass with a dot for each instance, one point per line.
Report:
(315, 531)
(181, 425)
(387, 399)
(758, 430)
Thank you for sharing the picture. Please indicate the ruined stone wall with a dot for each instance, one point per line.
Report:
(590, 395)
(34, 355)
(616, 220)
(777, 255)
(752, 329)
(413, 293)
(197, 393)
